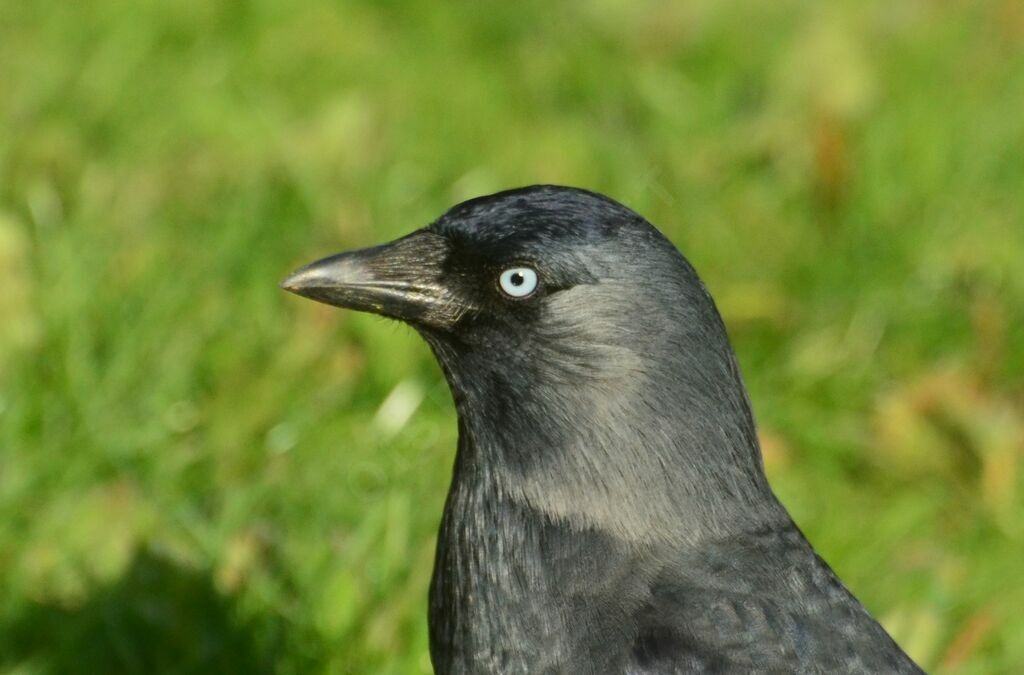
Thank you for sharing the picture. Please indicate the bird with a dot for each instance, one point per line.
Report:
(608, 510)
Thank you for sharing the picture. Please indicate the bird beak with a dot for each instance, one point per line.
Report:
(401, 280)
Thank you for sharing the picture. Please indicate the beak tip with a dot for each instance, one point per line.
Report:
(293, 283)
(287, 285)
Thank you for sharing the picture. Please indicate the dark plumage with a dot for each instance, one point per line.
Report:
(608, 511)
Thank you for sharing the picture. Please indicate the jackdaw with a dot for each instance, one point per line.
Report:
(608, 511)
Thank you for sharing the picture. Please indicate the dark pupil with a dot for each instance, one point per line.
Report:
(517, 279)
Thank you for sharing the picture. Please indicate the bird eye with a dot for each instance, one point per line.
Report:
(518, 282)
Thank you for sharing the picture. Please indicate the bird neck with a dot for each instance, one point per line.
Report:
(507, 590)
(473, 601)
(629, 470)
(617, 455)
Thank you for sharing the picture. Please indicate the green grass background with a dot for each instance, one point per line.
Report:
(196, 471)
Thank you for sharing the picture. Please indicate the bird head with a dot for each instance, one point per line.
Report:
(568, 328)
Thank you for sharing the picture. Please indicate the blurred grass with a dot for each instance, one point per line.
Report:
(196, 474)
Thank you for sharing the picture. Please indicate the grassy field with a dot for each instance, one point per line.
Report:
(199, 473)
